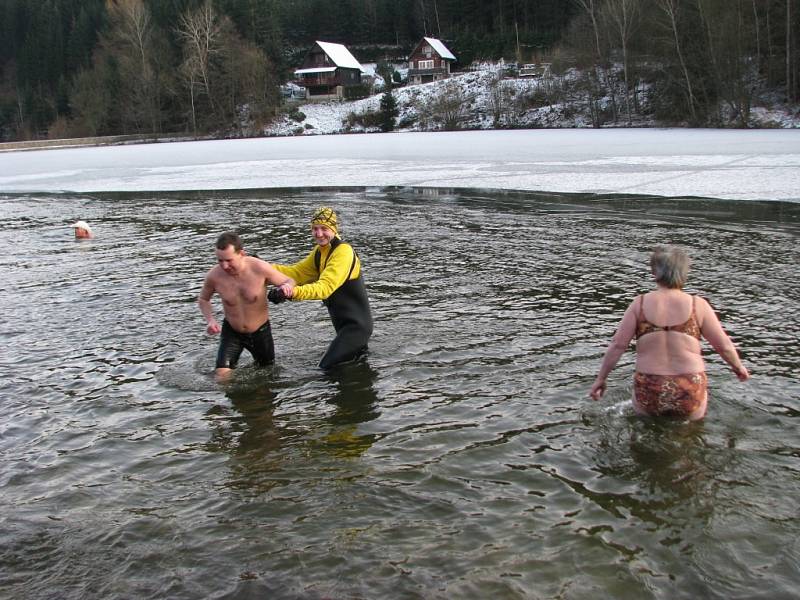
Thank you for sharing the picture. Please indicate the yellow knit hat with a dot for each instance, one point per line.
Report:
(325, 216)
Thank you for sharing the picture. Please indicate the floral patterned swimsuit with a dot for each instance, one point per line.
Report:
(668, 395)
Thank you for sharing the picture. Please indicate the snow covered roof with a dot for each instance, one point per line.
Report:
(440, 48)
(340, 55)
(315, 70)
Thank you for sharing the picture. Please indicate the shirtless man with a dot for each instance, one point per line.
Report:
(240, 281)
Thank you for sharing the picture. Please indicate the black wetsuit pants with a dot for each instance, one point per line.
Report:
(349, 310)
(232, 342)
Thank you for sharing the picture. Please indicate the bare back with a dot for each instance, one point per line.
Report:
(668, 348)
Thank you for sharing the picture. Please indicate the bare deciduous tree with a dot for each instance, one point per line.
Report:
(789, 87)
(131, 41)
(757, 23)
(90, 101)
(591, 7)
(496, 98)
(448, 108)
(623, 16)
(602, 82)
(248, 81)
(670, 9)
(200, 32)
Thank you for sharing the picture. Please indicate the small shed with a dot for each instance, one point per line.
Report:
(327, 70)
(429, 61)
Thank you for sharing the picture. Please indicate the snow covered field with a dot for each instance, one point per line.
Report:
(732, 164)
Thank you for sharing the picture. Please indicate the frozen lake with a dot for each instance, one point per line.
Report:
(728, 164)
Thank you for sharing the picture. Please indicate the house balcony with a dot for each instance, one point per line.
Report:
(317, 80)
(441, 71)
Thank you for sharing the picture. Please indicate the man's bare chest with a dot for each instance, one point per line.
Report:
(236, 292)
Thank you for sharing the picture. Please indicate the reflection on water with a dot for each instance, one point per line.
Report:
(459, 459)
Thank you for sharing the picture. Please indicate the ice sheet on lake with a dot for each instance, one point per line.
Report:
(732, 164)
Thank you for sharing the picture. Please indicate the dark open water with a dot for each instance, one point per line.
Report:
(462, 459)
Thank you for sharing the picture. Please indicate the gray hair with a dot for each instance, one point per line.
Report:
(670, 266)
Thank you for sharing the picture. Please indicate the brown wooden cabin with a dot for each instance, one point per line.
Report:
(430, 61)
(327, 70)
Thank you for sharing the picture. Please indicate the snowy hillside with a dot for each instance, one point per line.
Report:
(484, 99)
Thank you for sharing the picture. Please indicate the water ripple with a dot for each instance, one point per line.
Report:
(460, 459)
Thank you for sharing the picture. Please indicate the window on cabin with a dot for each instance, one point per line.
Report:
(424, 64)
(427, 51)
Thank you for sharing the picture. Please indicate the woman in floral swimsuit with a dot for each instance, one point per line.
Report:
(668, 324)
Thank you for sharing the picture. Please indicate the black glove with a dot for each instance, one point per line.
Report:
(276, 296)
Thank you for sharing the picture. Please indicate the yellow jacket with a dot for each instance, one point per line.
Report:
(333, 272)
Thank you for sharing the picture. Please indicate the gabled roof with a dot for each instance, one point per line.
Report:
(340, 55)
(440, 48)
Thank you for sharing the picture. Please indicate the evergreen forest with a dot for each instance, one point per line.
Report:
(72, 68)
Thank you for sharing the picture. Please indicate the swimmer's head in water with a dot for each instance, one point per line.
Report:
(326, 217)
(82, 229)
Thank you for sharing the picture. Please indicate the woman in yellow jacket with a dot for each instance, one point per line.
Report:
(332, 273)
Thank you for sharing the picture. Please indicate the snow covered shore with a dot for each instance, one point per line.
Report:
(732, 164)
(483, 99)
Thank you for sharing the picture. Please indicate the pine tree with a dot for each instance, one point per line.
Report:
(389, 110)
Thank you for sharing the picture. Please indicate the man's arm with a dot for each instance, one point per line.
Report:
(204, 302)
(273, 276)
